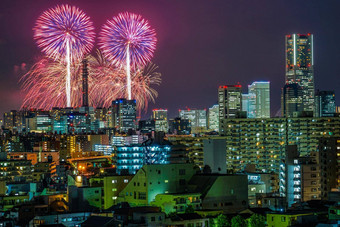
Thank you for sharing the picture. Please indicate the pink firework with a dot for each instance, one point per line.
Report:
(44, 84)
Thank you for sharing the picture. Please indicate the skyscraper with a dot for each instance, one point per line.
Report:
(124, 114)
(229, 101)
(291, 99)
(325, 104)
(299, 66)
(260, 91)
(198, 118)
(85, 84)
(213, 121)
(248, 104)
(161, 119)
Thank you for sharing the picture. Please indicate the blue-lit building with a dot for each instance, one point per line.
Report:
(105, 149)
(129, 159)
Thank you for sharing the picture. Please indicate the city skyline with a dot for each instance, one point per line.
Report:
(184, 73)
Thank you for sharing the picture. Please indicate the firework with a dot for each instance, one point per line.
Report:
(128, 40)
(65, 34)
(112, 85)
(44, 84)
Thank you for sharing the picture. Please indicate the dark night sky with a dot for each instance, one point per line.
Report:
(201, 44)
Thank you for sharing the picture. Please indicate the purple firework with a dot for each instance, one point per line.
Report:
(128, 33)
(64, 28)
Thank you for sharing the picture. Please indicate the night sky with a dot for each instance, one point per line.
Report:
(201, 44)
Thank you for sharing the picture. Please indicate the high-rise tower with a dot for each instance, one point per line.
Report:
(259, 92)
(229, 101)
(85, 84)
(299, 66)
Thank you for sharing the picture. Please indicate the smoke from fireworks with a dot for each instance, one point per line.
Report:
(128, 40)
(44, 84)
(65, 34)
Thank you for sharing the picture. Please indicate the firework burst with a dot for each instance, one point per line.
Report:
(44, 84)
(65, 34)
(128, 40)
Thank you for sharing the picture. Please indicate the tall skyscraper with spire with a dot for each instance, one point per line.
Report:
(299, 66)
(85, 84)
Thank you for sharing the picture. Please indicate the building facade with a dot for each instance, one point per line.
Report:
(300, 66)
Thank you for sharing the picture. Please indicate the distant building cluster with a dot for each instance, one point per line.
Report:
(233, 162)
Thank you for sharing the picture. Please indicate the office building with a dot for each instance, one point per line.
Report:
(213, 120)
(260, 91)
(161, 120)
(248, 104)
(180, 126)
(325, 104)
(146, 126)
(229, 101)
(197, 119)
(300, 66)
(291, 100)
(124, 114)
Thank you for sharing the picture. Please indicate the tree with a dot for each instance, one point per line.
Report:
(238, 221)
(221, 221)
(189, 210)
(257, 220)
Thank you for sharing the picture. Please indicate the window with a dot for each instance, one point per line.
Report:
(114, 181)
(181, 181)
(114, 197)
(153, 219)
(96, 191)
(181, 172)
(142, 195)
(283, 219)
(313, 175)
(114, 189)
(126, 181)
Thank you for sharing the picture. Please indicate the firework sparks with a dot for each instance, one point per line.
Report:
(65, 34)
(44, 84)
(128, 40)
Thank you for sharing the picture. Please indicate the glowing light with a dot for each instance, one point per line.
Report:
(128, 40)
(65, 34)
